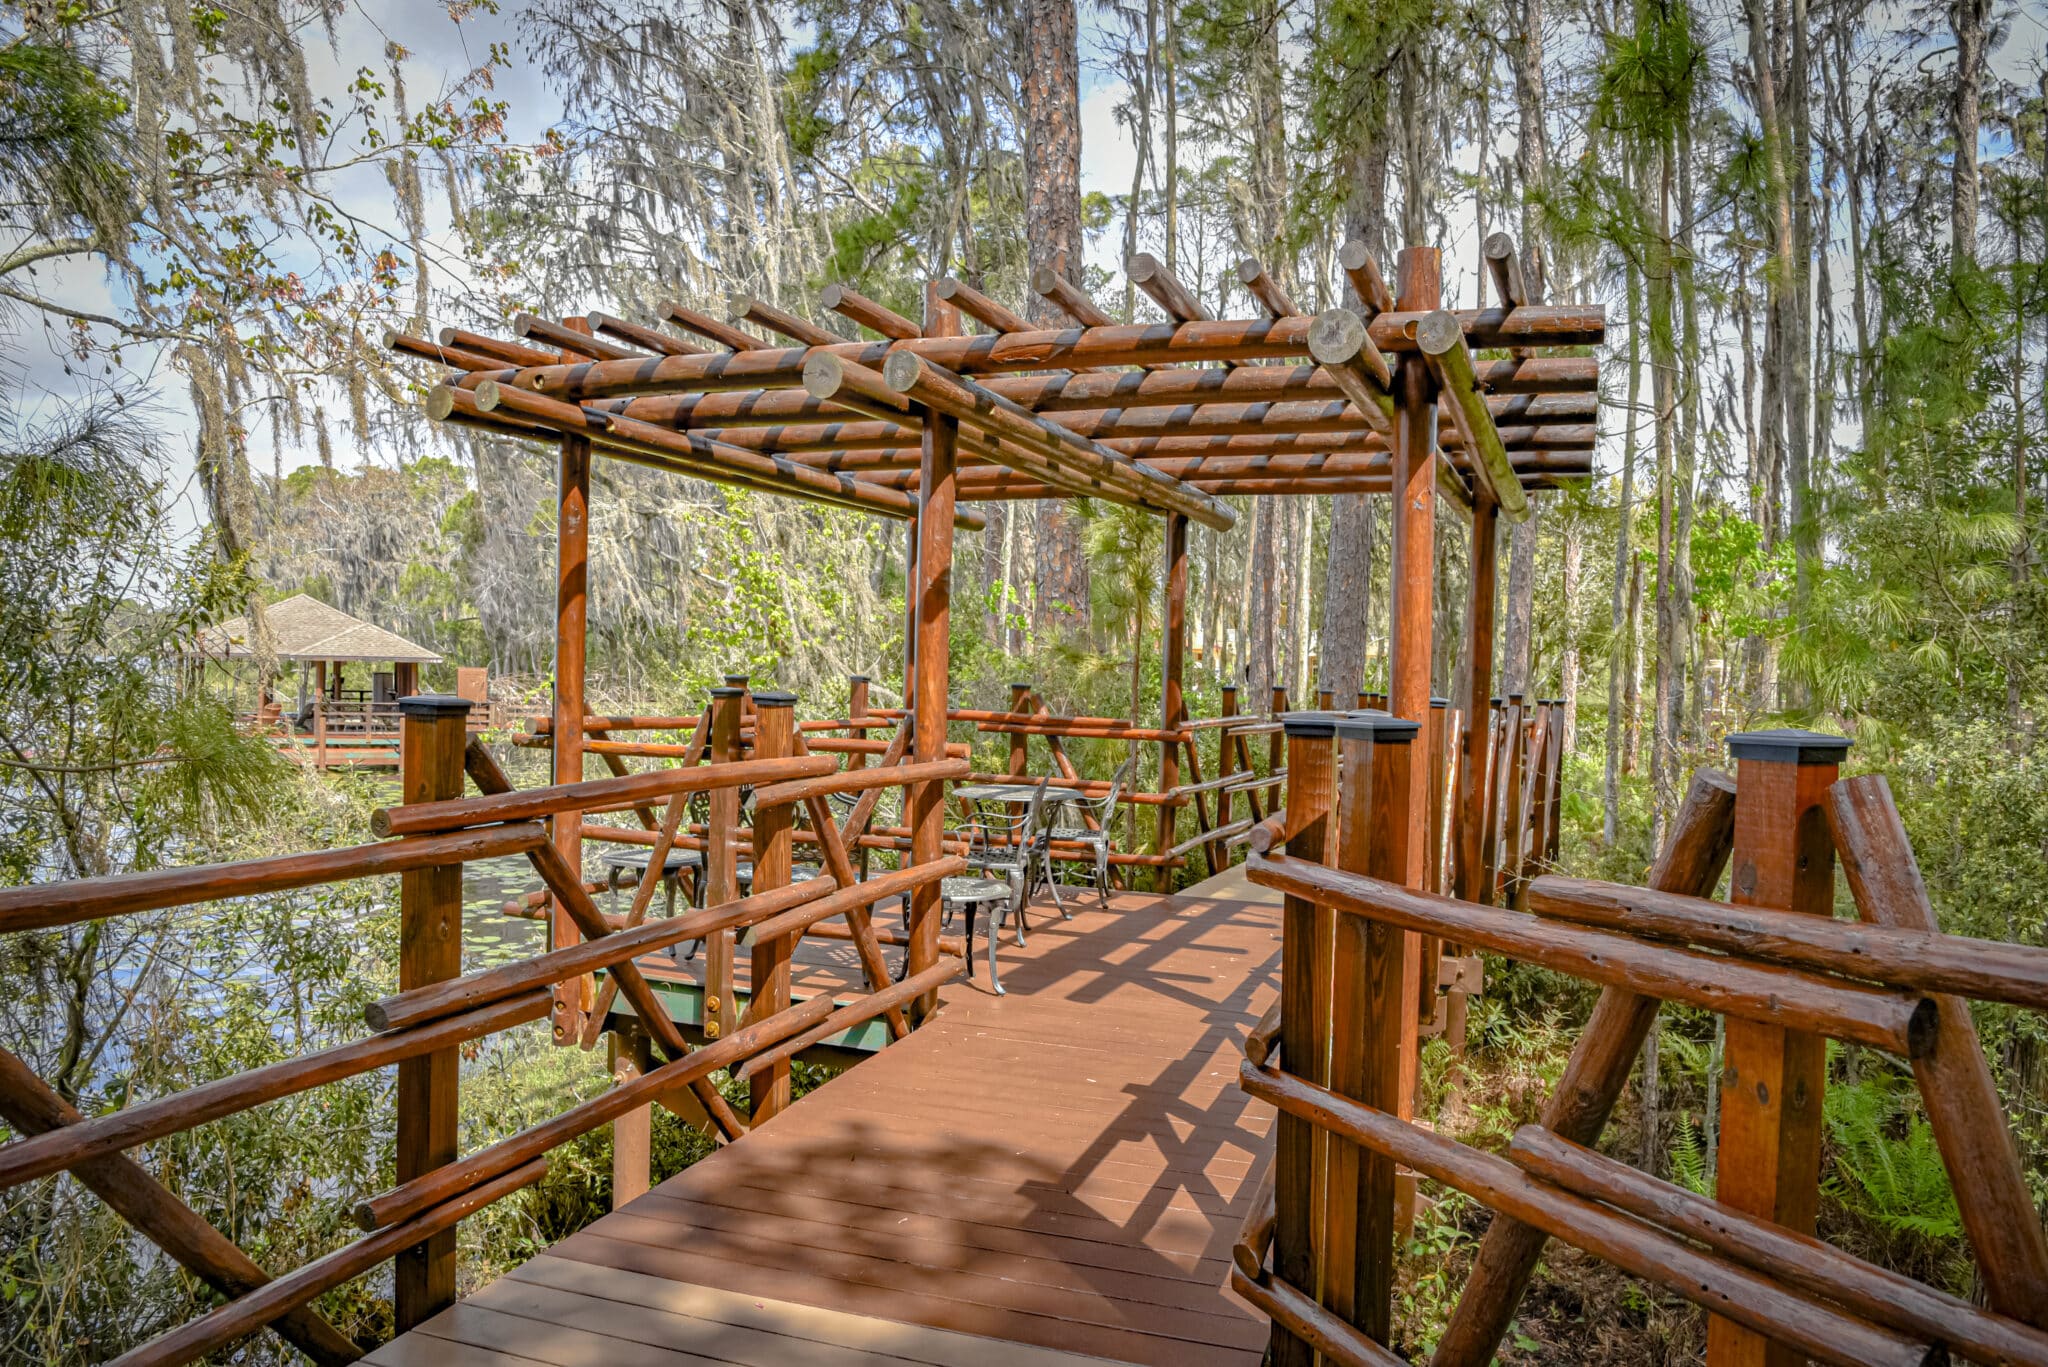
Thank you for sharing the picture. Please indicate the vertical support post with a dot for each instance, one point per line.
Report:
(1514, 766)
(429, 951)
(1020, 744)
(1173, 710)
(856, 708)
(1226, 762)
(774, 831)
(1412, 625)
(633, 1132)
(1303, 1035)
(1773, 1080)
(936, 500)
(572, 607)
(721, 865)
(1276, 707)
(1439, 778)
(1369, 1018)
(910, 539)
(320, 720)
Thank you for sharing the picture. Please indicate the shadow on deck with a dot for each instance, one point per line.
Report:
(1031, 1179)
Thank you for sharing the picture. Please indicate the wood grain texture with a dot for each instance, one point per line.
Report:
(1061, 1171)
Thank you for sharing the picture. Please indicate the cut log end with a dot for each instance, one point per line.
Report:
(1353, 256)
(441, 401)
(1499, 247)
(1141, 267)
(488, 396)
(824, 375)
(1250, 269)
(737, 306)
(1044, 280)
(902, 370)
(1337, 336)
(1436, 333)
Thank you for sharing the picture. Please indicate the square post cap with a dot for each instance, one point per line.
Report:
(1310, 725)
(433, 706)
(1789, 745)
(774, 697)
(857, 678)
(1381, 728)
(727, 692)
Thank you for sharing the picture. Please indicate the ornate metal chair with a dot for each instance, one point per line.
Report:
(1105, 812)
(1010, 847)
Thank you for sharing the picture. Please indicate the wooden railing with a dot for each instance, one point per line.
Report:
(1337, 1058)
(437, 1010)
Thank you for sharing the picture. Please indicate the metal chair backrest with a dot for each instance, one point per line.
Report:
(1105, 808)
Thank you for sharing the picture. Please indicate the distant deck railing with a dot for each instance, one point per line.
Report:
(421, 1028)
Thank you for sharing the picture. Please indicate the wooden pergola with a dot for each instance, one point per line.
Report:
(1391, 396)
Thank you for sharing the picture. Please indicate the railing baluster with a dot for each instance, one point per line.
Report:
(436, 730)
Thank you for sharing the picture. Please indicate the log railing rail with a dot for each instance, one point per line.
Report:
(1318, 1256)
(422, 1027)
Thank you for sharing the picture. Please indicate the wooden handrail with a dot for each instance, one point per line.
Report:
(38, 906)
(527, 804)
(1897, 1022)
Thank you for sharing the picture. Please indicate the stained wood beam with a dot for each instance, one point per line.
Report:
(646, 338)
(761, 313)
(1441, 339)
(1069, 298)
(844, 301)
(1251, 273)
(712, 329)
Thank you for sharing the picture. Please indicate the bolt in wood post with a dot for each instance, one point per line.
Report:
(1303, 1035)
(1772, 1080)
(774, 738)
(1173, 711)
(435, 728)
(1371, 1021)
(721, 866)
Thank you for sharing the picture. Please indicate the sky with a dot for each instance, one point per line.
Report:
(440, 53)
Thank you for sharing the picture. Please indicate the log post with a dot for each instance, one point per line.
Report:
(1372, 1025)
(632, 1056)
(320, 719)
(1303, 1036)
(1173, 711)
(721, 866)
(572, 605)
(1773, 1080)
(436, 730)
(1226, 764)
(1468, 835)
(856, 708)
(1275, 749)
(774, 827)
(937, 463)
(1020, 742)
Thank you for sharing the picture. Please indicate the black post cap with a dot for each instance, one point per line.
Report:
(728, 692)
(737, 678)
(857, 678)
(1439, 702)
(1381, 728)
(1789, 745)
(773, 697)
(1310, 725)
(429, 706)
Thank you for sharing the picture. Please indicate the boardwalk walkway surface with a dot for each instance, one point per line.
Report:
(1055, 1176)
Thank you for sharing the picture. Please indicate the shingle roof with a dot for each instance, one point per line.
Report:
(304, 628)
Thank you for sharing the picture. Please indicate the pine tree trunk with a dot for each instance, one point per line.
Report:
(1347, 596)
(1050, 86)
(1968, 19)
(1620, 642)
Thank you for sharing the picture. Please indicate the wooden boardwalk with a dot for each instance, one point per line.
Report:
(1048, 1177)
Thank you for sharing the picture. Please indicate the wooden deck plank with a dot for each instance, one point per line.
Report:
(1057, 1171)
(896, 1340)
